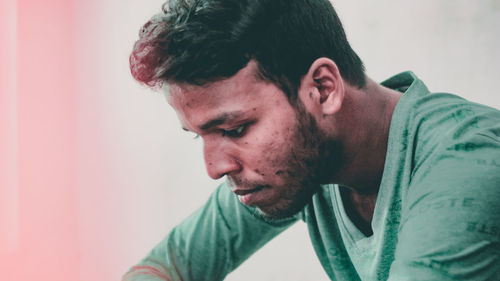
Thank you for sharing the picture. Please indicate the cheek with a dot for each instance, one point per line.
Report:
(263, 154)
(277, 152)
(266, 150)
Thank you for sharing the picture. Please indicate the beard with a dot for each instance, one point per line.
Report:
(310, 160)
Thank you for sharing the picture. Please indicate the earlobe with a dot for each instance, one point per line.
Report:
(332, 102)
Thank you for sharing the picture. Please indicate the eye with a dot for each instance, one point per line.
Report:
(235, 133)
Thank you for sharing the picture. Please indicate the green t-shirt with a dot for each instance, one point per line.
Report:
(437, 215)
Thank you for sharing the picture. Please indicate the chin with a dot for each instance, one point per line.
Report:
(273, 215)
(283, 211)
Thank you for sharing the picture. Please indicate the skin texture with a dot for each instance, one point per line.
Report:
(276, 154)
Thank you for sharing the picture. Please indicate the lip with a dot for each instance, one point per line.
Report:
(250, 197)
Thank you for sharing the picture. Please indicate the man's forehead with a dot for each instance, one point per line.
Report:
(174, 91)
(201, 107)
(185, 98)
(240, 82)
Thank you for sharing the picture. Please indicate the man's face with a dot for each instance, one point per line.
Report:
(273, 154)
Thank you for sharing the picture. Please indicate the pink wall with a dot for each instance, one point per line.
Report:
(44, 149)
(9, 193)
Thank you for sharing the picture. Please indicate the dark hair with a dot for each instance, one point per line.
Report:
(202, 41)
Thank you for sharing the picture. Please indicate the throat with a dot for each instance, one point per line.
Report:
(359, 208)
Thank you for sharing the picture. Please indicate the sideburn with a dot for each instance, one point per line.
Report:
(321, 155)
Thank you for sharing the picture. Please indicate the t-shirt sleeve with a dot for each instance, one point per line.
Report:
(450, 224)
(210, 243)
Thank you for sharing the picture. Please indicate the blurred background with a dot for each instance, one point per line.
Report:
(94, 168)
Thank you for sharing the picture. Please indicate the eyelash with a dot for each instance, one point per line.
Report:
(235, 133)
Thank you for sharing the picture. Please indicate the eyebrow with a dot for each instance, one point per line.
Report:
(219, 120)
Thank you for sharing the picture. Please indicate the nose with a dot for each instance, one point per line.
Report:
(219, 161)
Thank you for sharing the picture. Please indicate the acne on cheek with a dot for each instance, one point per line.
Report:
(259, 172)
(272, 146)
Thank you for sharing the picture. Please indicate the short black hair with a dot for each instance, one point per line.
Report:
(203, 41)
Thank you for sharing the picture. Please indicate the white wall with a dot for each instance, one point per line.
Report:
(139, 174)
(453, 45)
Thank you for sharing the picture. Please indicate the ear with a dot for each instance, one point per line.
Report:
(322, 88)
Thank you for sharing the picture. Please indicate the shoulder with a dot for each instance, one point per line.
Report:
(456, 147)
(442, 125)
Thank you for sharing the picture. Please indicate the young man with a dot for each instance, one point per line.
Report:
(394, 182)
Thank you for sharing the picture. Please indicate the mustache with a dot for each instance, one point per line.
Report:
(245, 184)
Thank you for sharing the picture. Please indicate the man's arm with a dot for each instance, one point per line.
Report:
(210, 243)
(450, 228)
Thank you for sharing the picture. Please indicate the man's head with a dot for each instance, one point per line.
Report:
(259, 81)
(202, 41)
(274, 154)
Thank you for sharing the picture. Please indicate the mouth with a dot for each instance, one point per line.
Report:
(251, 197)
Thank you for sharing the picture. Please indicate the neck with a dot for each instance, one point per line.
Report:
(366, 119)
